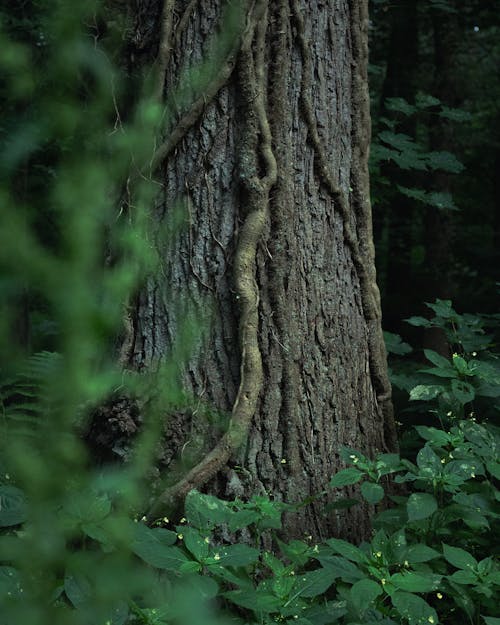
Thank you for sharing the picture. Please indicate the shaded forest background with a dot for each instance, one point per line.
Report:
(435, 88)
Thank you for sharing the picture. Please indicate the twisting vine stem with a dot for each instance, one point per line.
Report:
(360, 258)
(165, 47)
(257, 139)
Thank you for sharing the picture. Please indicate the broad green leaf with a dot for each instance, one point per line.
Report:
(347, 550)
(314, 583)
(463, 577)
(416, 582)
(414, 609)
(419, 322)
(425, 100)
(462, 391)
(10, 582)
(491, 620)
(283, 585)
(494, 468)
(88, 508)
(445, 161)
(253, 600)
(461, 365)
(421, 553)
(346, 477)
(243, 518)
(429, 462)
(437, 359)
(395, 344)
(400, 105)
(153, 546)
(195, 543)
(373, 493)
(325, 613)
(433, 435)
(420, 506)
(77, 589)
(342, 504)
(340, 567)
(363, 593)
(13, 506)
(297, 551)
(398, 546)
(425, 392)
(203, 511)
(459, 557)
(236, 555)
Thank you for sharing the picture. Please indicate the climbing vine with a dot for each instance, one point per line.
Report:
(258, 175)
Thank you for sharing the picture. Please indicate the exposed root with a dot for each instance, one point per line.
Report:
(257, 138)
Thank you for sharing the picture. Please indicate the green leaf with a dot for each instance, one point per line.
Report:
(195, 543)
(445, 161)
(363, 593)
(373, 493)
(237, 555)
(399, 105)
(10, 582)
(426, 100)
(13, 506)
(314, 583)
(253, 600)
(395, 344)
(325, 613)
(340, 567)
(341, 504)
(421, 553)
(463, 577)
(455, 115)
(463, 391)
(414, 609)
(419, 322)
(436, 359)
(428, 462)
(433, 435)
(77, 589)
(416, 582)
(491, 620)
(346, 477)
(297, 551)
(420, 506)
(153, 546)
(426, 392)
(203, 511)
(459, 557)
(243, 518)
(347, 550)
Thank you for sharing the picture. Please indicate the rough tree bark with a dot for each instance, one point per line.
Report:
(272, 163)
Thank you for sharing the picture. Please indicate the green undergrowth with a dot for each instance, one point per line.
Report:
(433, 556)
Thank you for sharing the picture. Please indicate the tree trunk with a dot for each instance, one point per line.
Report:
(277, 246)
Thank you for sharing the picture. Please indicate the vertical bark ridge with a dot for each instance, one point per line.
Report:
(318, 391)
(258, 140)
(360, 201)
(359, 242)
